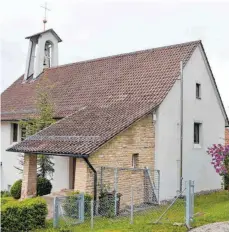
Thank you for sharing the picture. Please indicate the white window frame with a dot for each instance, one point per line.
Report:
(12, 133)
(200, 144)
(200, 91)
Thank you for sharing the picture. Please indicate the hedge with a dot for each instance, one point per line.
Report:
(23, 215)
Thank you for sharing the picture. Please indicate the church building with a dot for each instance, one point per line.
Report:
(125, 111)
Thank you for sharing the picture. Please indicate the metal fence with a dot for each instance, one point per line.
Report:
(119, 181)
(139, 204)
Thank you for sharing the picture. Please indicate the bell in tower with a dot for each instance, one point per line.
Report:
(42, 53)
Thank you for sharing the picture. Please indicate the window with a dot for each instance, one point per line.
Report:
(14, 132)
(135, 160)
(23, 133)
(198, 91)
(197, 128)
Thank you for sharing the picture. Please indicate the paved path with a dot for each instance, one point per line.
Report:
(214, 227)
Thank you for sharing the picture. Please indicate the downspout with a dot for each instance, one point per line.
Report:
(181, 125)
(95, 177)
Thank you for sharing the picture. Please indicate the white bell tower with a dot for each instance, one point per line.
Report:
(42, 53)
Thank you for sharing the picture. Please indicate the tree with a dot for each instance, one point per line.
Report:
(42, 119)
(220, 161)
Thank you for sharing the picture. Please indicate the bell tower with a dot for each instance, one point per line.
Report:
(42, 53)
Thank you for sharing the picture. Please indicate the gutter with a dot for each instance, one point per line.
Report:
(95, 177)
(49, 153)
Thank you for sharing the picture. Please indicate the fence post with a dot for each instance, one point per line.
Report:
(158, 183)
(80, 202)
(115, 189)
(55, 212)
(192, 199)
(101, 180)
(188, 201)
(132, 206)
(92, 214)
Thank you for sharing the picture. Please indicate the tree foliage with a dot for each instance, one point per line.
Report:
(42, 118)
(220, 158)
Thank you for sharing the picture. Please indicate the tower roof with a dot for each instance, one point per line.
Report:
(43, 32)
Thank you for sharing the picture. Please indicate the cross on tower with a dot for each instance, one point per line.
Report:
(46, 8)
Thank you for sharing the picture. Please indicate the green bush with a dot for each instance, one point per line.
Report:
(23, 215)
(5, 200)
(44, 187)
(5, 193)
(15, 190)
(226, 182)
(71, 206)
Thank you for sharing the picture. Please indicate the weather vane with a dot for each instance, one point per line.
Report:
(45, 19)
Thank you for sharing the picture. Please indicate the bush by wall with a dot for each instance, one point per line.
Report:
(5, 193)
(23, 215)
(15, 190)
(226, 182)
(44, 187)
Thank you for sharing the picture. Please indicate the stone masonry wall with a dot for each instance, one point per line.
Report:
(138, 138)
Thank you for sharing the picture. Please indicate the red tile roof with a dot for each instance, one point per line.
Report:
(149, 74)
(103, 95)
(84, 131)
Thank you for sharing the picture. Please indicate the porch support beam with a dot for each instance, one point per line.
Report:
(29, 181)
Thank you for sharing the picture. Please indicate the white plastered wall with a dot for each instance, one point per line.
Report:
(196, 162)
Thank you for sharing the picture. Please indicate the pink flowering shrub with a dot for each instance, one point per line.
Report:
(220, 158)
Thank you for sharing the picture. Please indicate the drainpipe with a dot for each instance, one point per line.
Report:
(95, 177)
(181, 125)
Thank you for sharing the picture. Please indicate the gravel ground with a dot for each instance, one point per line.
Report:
(214, 227)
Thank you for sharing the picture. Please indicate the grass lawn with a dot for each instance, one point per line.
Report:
(208, 209)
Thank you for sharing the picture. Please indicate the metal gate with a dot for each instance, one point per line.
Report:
(69, 209)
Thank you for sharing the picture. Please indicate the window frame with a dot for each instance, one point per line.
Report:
(14, 132)
(197, 141)
(198, 90)
(135, 160)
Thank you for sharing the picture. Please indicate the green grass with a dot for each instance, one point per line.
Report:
(208, 209)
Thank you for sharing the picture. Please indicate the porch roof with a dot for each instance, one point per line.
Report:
(85, 130)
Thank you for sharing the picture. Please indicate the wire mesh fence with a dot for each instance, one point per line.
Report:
(125, 198)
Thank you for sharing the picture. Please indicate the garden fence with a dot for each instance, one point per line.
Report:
(110, 209)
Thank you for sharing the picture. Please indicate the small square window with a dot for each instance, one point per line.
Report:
(197, 128)
(135, 160)
(198, 91)
(14, 132)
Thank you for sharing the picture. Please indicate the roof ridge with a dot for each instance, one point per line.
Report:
(126, 54)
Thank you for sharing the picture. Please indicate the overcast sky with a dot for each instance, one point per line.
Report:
(91, 30)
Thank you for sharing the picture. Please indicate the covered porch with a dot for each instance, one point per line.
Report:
(70, 174)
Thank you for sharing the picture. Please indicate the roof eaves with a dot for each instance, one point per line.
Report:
(43, 32)
(217, 90)
(77, 155)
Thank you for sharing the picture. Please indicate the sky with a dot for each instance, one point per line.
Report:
(91, 29)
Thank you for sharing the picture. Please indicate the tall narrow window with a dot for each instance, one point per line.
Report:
(14, 132)
(198, 91)
(23, 133)
(135, 160)
(197, 128)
